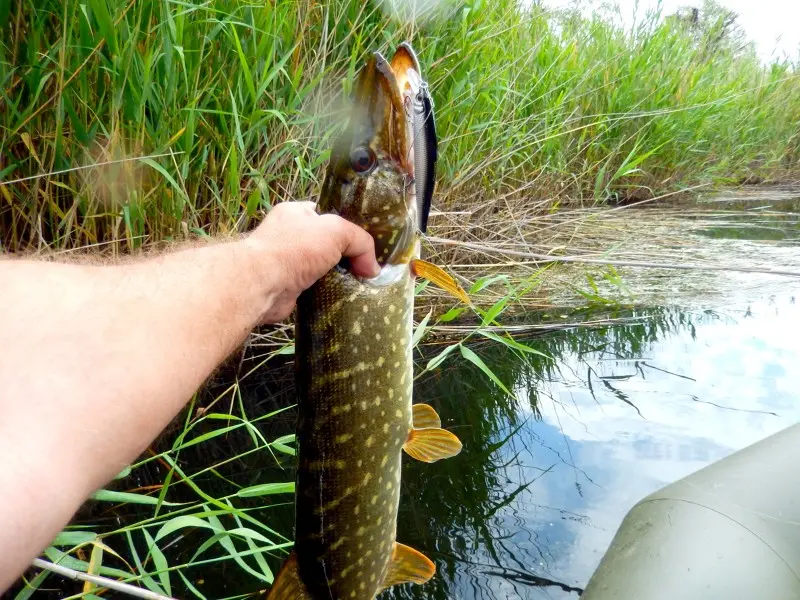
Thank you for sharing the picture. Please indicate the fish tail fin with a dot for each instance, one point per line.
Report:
(288, 585)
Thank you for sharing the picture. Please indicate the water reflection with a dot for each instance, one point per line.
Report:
(544, 480)
(545, 477)
(753, 217)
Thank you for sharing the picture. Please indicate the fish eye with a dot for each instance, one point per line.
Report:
(363, 160)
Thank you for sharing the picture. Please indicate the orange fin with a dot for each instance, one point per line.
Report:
(430, 445)
(408, 566)
(437, 276)
(287, 585)
(425, 417)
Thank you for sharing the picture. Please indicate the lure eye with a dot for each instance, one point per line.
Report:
(363, 160)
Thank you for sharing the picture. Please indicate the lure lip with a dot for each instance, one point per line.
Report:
(426, 153)
(423, 145)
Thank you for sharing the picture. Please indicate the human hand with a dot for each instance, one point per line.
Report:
(295, 246)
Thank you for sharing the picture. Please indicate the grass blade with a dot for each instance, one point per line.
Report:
(128, 497)
(266, 489)
(159, 561)
(478, 362)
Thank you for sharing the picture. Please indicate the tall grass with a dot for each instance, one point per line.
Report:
(241, 101)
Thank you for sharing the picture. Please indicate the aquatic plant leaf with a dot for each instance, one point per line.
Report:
(144, 575)
(420, 330)
(498, 307)
(170, 179)
(107, 548)
(211, 434)
(62, 558)
(182, 522)
(74, 538)
(226, 542)
(105, 24)
(284, 448)
(440, 358)
(95, 562)
(478, 362)
(190, 586)
(451, 314)
(159, 560)
(281, 444)
(128, 497)
(250, 534)
(124, 473)
(512, 343)
(249, 537)
(266, 489)
(486, 281)
(244, 65)
(31, 585)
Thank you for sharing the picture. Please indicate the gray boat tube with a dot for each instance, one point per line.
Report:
(730, 530)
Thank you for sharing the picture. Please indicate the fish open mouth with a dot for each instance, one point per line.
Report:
(383, 101)
(379, 119)
(382, 168)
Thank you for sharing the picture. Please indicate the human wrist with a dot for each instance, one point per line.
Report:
(265, 274)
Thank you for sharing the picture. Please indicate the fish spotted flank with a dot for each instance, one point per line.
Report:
(354, 361)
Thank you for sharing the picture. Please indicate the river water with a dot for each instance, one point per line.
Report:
(705, 365)
(531, 505)
(623, 411)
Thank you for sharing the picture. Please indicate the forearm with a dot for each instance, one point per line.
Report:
(97, 360)
(115, 353)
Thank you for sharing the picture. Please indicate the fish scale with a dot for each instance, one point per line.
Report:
(351, 430)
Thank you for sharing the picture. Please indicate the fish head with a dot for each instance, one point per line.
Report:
(370, 177)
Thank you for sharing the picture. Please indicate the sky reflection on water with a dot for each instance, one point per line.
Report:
(616, 426)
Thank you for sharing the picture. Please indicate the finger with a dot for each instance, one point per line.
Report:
(365, 265)
(306, 206)
(295, 207)
(356, 244)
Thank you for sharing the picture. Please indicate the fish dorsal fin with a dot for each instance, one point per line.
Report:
(430, 445)
(408, 566)
(439, 278)
(424, 417)
(287, 585)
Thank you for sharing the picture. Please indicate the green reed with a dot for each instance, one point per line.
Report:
(242, 100)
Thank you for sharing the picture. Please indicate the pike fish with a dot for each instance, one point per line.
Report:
(354, 356)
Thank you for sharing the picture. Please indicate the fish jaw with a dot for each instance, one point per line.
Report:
(370, 177)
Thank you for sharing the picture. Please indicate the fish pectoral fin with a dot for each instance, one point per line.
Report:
(438, 276)
(430, 445)
(424, 417)
(288, 585)
(408, 566)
